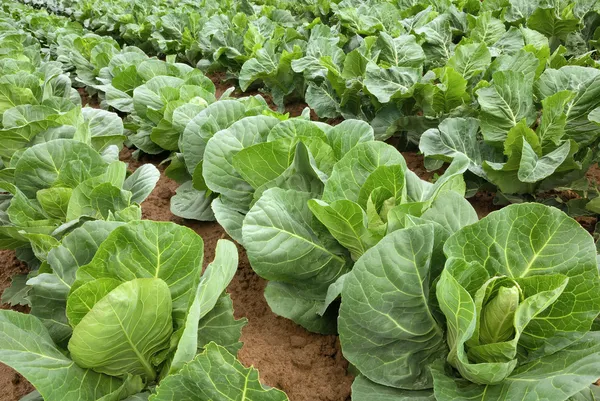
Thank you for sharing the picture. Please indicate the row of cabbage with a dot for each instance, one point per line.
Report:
(401, 66)
(120, 307)
(429, 302)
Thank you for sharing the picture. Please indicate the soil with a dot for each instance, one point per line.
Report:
(87, 99)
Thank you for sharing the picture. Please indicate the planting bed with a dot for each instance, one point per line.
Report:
(398, 202)
(307, 366)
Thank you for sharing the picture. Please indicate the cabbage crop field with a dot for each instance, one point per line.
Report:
(299, 200)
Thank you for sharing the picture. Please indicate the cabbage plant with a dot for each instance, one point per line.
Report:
(500, 310)
(123, 310)
(306, 199)
(338, 197)
(56, 185)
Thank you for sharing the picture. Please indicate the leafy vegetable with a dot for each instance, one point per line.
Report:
(65, 181)
(517, 294)
(133, 310)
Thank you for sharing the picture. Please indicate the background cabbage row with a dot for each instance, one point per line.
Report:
(404, 67)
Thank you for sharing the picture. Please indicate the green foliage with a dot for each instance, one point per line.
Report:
(486, 313)
(130, 304)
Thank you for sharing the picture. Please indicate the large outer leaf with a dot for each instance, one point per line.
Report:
(504, 104)
(365, 390)
(190, 203)
(393, 82)
(585, 82)
(402, 51)
(49, 291)
(100, 128)
(349, 176)
(215, 279)
(155, 94)
(125, 329)
(26, 346)
(218, 170)
(220, 326)
(142, 182)
(229, 218)
(386, 324)
(283, 244)
(470, 59)
(201, 128)
(145, 249)
(48, 296)
(78, 248)
(554, 377)
(454, 136)
(527, 240)
(42, 165)
(215, 375)
(287, 244)
(347, 134)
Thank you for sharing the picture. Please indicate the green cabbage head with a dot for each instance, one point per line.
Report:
(508, 318)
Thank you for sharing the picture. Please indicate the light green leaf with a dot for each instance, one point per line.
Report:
(190, 203)
(485, 28)
(78, 248)
(553, 377)
(402, 51)
(26, 346)
(141, 182)
(42, 165)
(530, 240)
(347, 223)
(215, 279)
(146, 249)
(48, 297)
(284, 244)
(125, 329)
(303, 305)
(393, 82)
(230, 218)
(214, 375)
(218, 169)
(470, 59)
(347, 134)
(348, 177)
(220, 326)
(54, 201)
(504, 104)
(387, 328)
(454, 136)
(533, 168)
(365, 390)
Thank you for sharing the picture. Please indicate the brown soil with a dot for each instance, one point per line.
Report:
(483, 202)
(221, 83)
(414, 162)
(593, 174)
(87, 100)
